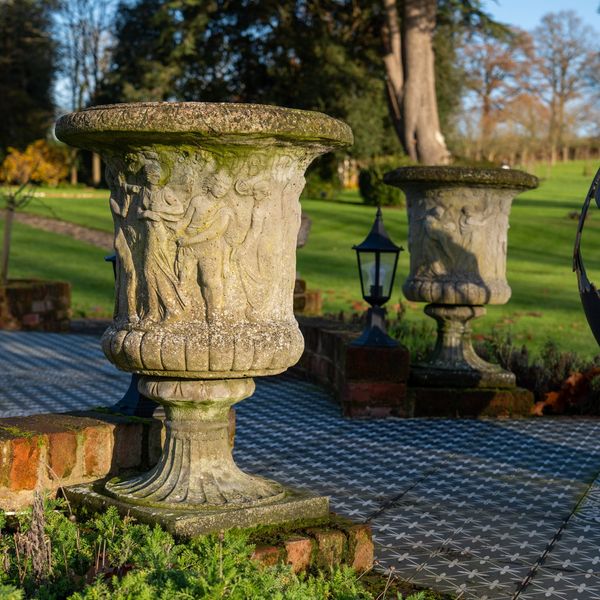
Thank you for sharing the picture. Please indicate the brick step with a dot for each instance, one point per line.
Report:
(325, 544)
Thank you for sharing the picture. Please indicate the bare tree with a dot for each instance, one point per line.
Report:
(564, 46)
(497, 72)
(410, 78)
(84, 31)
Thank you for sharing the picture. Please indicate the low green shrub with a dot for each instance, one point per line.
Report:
(370, 182)
(419, 337)
(47, 554)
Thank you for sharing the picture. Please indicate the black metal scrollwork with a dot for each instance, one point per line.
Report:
(590, 297)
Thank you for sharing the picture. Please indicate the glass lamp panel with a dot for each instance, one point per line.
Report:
(387, 262)
(366, 260)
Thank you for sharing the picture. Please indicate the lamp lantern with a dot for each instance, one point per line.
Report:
(377, 259)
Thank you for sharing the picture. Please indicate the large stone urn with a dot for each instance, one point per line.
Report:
(458, 225)
(206, 212)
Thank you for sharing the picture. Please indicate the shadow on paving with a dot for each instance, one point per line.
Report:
(463, 506)
(473, 508)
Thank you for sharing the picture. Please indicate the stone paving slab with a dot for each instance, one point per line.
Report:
(480, 509)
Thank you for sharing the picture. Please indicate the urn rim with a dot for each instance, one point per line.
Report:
(461, 176)
(154, 121)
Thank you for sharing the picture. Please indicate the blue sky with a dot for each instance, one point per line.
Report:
(526, 14)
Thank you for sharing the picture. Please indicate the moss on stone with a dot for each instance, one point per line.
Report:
(459, 176)
(14, 431)
(273, 534)
(192, 122)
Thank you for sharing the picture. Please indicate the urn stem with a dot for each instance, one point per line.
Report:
(196, 468)
(454, 362)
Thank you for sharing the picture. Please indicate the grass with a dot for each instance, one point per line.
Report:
(545, 303)
(40, 254)
(83, 206)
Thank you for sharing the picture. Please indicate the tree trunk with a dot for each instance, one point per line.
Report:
(96, 169)
(9, 213)
(74, 179)
(392, 60)
(409, 64)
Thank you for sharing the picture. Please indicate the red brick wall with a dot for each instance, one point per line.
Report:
(367, 382)
(46, 452)
(35, 305)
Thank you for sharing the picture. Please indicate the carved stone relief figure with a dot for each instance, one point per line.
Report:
(290, 204)
(438, 237)
(121, 197)
(254, 256)
(203, 254)
(160, 211)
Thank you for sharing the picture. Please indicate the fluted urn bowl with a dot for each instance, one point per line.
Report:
(205, 204)
(458, 227)
(205, 201)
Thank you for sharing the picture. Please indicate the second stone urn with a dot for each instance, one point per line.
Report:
(458, 225)
(206, 213)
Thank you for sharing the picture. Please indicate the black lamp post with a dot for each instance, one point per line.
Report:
(377, 260)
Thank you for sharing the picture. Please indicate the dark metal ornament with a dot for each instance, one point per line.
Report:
(590, 297)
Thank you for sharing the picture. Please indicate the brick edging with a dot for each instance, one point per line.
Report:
(367, 382)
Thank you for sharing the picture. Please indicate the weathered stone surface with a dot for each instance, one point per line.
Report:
(98, 445)
(330, 547)
(196, 468)
(458, 226)
(25, 463)
(206, 211)
(268, 556)
(299, 551)
(127, 450)
(454, 361)
(205, 205)
(189, 523)
(107, 126)
(62, 454)
(360, 547)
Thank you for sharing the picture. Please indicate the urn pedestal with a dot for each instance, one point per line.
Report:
(458, 225)
(205, 205)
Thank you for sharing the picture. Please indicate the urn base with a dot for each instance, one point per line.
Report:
(293, 506)
(454, 362)
(461, 376)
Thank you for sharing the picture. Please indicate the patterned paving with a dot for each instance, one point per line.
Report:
(479, 509)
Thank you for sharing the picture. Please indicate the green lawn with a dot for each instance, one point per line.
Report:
(545, 304)
(37, 253)
(83, 206)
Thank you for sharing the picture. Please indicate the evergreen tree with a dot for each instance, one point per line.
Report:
(312, 54)
(143, 64)
(27, 66)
